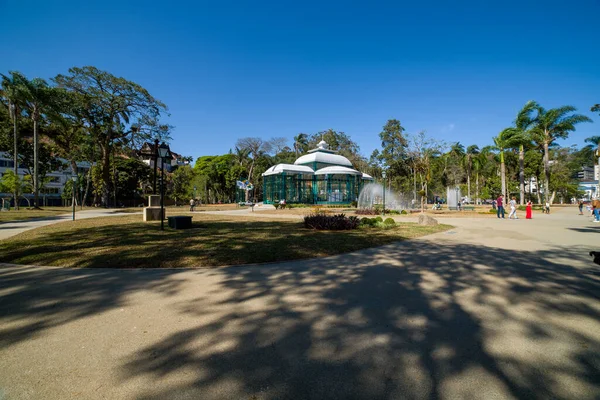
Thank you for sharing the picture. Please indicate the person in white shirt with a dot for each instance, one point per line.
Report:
(513, 208)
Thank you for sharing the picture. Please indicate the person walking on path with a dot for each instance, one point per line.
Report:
(580, 204)
(513, 208)
(500, 205)
(528, 210)
(596, 209)
(192, 204)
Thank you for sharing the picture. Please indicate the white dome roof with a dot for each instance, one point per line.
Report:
(322, 157)
(367, 177)
(290, 168)
(335, 170)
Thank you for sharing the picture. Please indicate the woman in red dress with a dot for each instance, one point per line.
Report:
(528, 210)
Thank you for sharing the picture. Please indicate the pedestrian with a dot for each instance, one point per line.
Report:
(547, 208)
(513, 208)
(500, 205)
(192, 204)
(596, 208)
(493, 204)
(528, 210)
(580, 207)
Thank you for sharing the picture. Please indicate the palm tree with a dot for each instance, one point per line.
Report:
(503, 142)
(241, 156)
(300, 143)
(36, 97)
(457, 151)
(471, 152)
(520, 138)
(479, 163)
(10, 90)
(552, 124)
(594, 141)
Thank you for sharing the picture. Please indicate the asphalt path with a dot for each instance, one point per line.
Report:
(493, 309)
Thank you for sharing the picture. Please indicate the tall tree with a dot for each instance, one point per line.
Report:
(10, 90)
(37, 98)
(255, 146)
(278, 144)
(479, 163)
(552, 124)
(503, 142)
(394, 145)
(523, 138)
(300, 143)
(117, 111)
(471, 152)
(594, 141)
(337, 141)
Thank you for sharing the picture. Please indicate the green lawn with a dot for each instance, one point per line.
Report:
(128, 242)
(24, 213)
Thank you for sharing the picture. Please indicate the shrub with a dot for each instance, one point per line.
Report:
(354, 204)
(389, 221)
(336, 222)
(365, 221)
(366, 211)
(403, 212)
(297, 205)
(378, 219)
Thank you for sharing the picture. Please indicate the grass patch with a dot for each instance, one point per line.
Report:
(128, 242)
(24, 213)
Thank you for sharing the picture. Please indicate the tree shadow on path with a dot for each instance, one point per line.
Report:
(405, 321)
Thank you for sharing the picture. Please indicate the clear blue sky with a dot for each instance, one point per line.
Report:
(458, 69)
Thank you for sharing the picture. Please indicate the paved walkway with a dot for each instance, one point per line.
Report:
(8, 229)
(490, 310)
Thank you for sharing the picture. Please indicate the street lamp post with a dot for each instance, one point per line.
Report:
(163, 152)
(383, 173)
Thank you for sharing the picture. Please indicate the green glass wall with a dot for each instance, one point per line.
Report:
(306, 189)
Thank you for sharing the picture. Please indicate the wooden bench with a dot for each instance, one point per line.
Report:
(180, 222)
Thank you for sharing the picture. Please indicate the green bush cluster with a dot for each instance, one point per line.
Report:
(322, 221)
(377, 222)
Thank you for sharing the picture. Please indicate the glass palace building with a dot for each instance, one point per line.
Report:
(319, 177)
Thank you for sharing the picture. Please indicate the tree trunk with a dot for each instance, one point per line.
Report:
(36, 150)
(415, 184)
(503, 174)
(75, 171)
(546, 173)
(477, 188)
(87, 186)
(423, 197)
(469, 186)
(247, 195)
(105, 197)
(16, 154)
(155, 159)
(537, 192)
(552, 197)
(522, 175)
